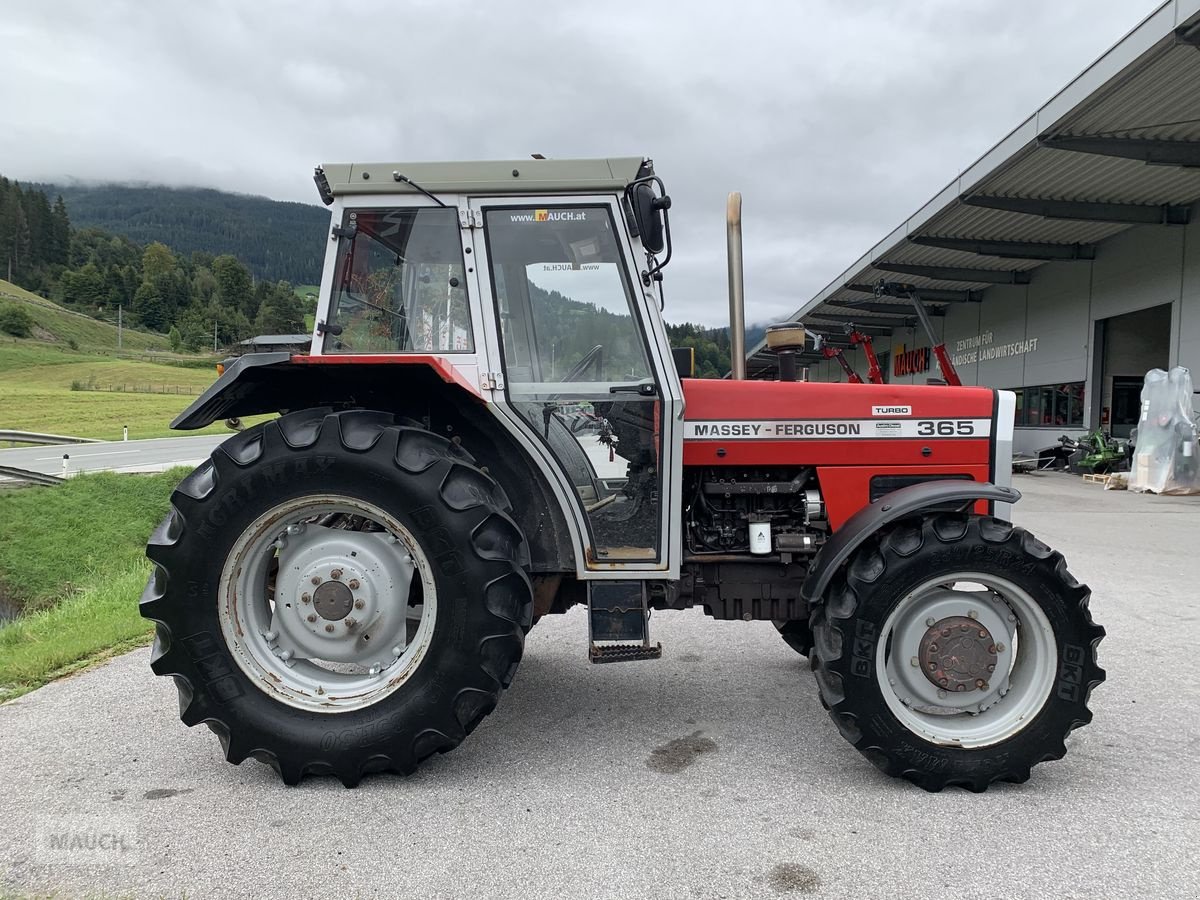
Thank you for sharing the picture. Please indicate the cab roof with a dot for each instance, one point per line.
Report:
(520, 176)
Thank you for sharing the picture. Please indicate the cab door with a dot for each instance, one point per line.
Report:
(587, 373)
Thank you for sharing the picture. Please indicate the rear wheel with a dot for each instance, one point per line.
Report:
(336, 593)
(796, 633)
(956, 650)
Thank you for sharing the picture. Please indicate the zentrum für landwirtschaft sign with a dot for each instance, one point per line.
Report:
(981, 349)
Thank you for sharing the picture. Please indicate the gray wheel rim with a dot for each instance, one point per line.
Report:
(1025, 661)
(337, 633)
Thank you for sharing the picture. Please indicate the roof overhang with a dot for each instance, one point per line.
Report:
(1117, 147)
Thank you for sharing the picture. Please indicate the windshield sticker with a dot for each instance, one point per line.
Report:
(550, 215)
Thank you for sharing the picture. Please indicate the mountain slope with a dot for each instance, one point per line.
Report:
(277, 240)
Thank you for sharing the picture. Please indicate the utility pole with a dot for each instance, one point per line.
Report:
(214, 334)
(119, 323)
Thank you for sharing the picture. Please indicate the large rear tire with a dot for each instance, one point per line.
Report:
(299, 541)
(796, 633)
(956, 650)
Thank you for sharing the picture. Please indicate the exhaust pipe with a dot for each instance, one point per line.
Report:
(737, 289)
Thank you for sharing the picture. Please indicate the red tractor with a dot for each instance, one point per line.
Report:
(490, 428)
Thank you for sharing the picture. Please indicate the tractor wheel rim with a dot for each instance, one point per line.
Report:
(966, 660)
(322, 618)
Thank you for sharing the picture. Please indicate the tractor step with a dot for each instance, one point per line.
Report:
(619, 622)
(610, 653)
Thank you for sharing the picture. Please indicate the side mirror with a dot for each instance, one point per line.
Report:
(647, 213)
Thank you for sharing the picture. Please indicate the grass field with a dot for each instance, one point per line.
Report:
(78, 574)
(55, 324)
(36, 395)
(37, 375)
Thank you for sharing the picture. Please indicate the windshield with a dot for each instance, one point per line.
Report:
(399, 284)
(563, 299)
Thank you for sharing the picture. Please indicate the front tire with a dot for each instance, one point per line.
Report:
(956, 650)
(401, 538)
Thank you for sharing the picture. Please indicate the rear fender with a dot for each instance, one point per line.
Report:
(278, 382)
(428, 389)
(890, 508)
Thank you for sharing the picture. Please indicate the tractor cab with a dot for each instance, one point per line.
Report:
(545, 304)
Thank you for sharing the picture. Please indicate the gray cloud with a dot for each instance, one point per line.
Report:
(835, 120)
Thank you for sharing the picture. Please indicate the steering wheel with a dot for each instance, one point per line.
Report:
(592, 356)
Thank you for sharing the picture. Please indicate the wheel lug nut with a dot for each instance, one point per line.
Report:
(960, 687)
(945, 632)
(981, 684)
(305, 598)
(1000, 648)
(335, 574)
(353, 584)
(316, 579)
(991, 668)
(914, 662)
(349, 623)
(972, 614)
(933, 667)
(311, 617)
(982, 633)
(329, 627)
(933, 648)
(941, 693)
(397, 651)
(271, 635)
(359, 604)
(944, 682)
(930, 622)
(964, 627)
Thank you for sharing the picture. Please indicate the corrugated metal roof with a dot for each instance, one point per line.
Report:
(1146, 87)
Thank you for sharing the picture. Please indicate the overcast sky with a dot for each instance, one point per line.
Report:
(836, 120)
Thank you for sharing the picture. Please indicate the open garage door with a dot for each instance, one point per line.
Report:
(1133, 344)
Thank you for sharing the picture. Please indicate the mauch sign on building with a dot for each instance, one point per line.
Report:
(910, 362)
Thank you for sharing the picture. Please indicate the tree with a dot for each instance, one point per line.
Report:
(233, 285)
(60, 233)
(85, 288)
(280, 310)
(175, 338)
(158, 262)
(150, 308)
(15, 320)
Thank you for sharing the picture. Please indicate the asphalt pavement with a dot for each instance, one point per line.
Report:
(713, 772)
(153, 455)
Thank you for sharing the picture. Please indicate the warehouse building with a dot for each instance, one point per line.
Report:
(1064, 264)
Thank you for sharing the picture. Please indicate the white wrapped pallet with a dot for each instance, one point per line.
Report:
(1166, 460)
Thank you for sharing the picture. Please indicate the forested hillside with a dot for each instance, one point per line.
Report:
(184, 262)
(196, 298)
(276, 240)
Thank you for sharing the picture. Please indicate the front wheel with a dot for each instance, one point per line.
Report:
(956, 650)
(337, 593)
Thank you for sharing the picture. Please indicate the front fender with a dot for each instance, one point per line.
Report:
(890, 508)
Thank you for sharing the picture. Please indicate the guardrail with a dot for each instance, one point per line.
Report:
(33, 437)
(28, 476)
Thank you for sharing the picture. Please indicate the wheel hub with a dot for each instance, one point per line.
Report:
(958, 654)
(333, 600)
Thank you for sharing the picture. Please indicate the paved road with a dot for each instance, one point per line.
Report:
(153, 455)
(159, 454)
(555, 795)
